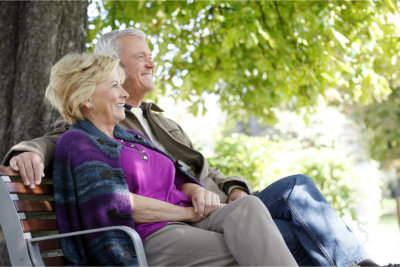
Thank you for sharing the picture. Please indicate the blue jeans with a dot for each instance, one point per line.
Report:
(312, 230)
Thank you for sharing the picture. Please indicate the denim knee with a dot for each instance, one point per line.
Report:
(301, 179)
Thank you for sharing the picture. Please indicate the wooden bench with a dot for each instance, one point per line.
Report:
(28, 220)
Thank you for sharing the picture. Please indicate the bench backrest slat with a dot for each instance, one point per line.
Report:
(20, 188)
(34, 206)
(39, 225)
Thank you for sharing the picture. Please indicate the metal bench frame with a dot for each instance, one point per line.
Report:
(24, 250)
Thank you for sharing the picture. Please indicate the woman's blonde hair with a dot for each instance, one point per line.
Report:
(73, 80)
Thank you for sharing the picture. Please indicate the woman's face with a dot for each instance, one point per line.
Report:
(108, 102)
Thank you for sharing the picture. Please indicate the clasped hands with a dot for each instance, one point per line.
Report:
(204, 203)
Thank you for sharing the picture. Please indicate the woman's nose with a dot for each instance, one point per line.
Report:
(124, 93)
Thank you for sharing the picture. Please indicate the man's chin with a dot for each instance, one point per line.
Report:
(150, 89)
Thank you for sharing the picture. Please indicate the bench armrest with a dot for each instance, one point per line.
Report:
(34, 250)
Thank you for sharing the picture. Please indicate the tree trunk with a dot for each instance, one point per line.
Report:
(398, 200)
(33, 36)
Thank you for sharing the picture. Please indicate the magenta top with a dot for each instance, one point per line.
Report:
(151, 174)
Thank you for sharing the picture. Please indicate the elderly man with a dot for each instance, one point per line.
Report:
(311, 229)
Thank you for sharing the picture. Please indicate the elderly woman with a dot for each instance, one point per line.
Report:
(104, 176)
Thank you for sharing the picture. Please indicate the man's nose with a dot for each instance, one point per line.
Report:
(150, 63)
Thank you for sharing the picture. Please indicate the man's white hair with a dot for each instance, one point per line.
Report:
(106, 43)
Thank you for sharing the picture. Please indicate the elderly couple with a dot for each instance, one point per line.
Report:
(117, 161)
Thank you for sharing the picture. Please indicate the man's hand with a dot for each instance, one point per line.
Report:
(30, 166)
(236, 193)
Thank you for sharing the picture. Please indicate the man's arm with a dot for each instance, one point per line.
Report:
(233, 187)
(178, 143)
(236, 193)
(212, 175)
(30, 158)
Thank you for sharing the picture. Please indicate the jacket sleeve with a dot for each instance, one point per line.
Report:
(212, 176)
(43, 146)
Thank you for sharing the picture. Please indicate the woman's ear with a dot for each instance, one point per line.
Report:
(87, 104)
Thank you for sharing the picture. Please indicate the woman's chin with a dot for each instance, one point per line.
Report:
(120, 118)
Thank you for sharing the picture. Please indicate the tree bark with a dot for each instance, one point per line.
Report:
(398, 200)
(33, 36)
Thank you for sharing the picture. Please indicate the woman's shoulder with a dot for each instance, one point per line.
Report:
(72, 136)
(72, 142)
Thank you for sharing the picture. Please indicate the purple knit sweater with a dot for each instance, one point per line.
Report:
(90, 191)
(153, 175)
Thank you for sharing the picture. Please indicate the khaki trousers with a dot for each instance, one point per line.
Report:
(240, 233)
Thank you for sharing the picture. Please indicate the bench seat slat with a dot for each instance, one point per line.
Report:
(54, 261)
(32, 206)
(39, 225)
(20, 188)
(50, 244)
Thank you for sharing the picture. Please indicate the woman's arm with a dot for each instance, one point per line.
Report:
(147, 209)
(204, 202)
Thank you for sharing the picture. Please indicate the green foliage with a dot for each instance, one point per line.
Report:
(334, 177)
(260, 55)
(262, 161)
(256, 55)
(382, 122)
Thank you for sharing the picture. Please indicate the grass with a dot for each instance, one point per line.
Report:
(384, 241)
(388, 203)
(389, 220)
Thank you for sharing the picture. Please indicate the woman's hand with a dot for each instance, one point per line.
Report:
(204, 202)
(193, 216)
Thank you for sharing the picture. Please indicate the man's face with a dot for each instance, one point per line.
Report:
(135, 57)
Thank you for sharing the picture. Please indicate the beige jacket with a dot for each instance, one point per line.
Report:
(168, 132)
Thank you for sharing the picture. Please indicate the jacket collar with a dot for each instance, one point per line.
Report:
(119, 133)
(145, 105)
(88, 127)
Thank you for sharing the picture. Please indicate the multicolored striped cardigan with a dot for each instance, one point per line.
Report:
(90, 192)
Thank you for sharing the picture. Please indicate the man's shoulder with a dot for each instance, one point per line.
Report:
(130, 121)
(157, 112)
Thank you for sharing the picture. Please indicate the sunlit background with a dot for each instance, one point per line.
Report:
(329, 108)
